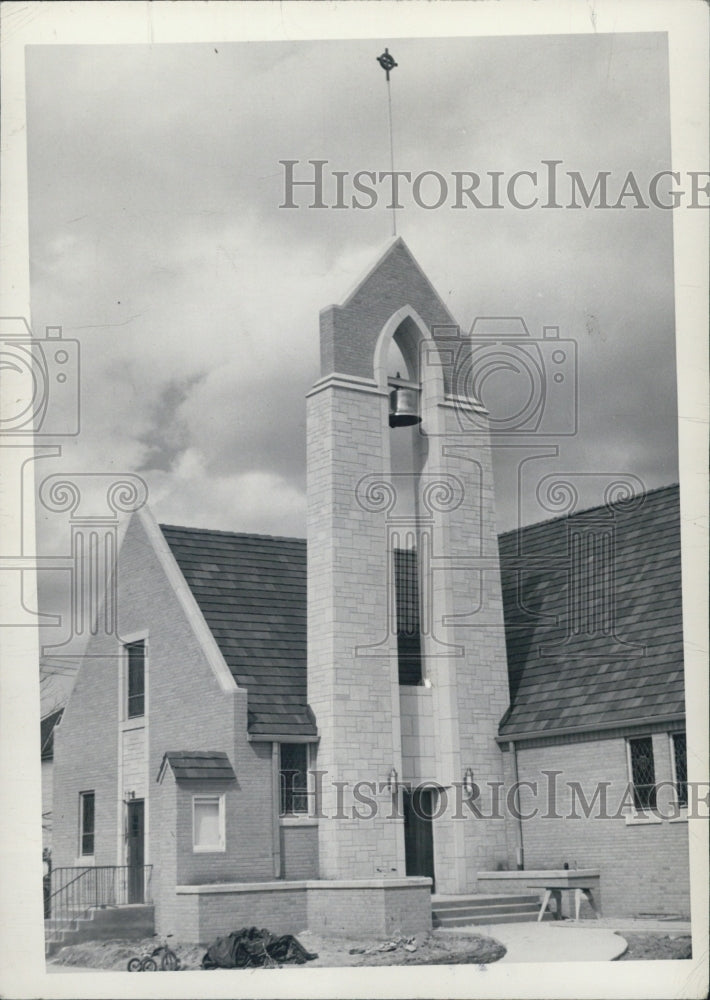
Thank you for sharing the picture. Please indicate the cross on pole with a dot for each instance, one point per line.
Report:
(386, 62)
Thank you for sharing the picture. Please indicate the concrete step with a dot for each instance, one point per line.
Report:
(494, 918)
(486, 911)
(462, 911)
(452, 902)
(102, 923)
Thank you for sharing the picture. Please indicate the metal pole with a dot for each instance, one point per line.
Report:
(389, 110)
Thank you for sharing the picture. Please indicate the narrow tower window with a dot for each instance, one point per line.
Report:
(135, 653)
(409, 646)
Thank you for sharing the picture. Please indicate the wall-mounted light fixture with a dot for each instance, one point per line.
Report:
(469, 785)
(129, 796)
(392, 780)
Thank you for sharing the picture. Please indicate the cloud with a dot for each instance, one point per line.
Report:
(157, 240)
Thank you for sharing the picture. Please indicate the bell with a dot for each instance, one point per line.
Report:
(403, 408)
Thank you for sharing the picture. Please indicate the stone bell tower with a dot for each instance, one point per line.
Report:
(394, 709)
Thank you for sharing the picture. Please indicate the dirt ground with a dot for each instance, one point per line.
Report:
(428, 949)
(644, 947)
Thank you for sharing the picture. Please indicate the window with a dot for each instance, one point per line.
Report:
(680, 769)
(293, 775)
(86, 823)
(409, 647)
(208, 823)
(135, 653)
(643, 775)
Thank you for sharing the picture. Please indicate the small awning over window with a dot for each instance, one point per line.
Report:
(200, 765)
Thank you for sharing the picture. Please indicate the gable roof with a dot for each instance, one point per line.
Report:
(251, 590)
(587, 679)
(47, 726)
(349, 332)
(201, 765)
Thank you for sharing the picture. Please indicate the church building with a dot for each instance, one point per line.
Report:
(404, 718)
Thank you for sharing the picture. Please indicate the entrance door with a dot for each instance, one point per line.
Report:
(418, 833)
(135, 850)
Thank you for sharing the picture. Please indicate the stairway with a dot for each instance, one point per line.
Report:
(462, 911)
(103, 924)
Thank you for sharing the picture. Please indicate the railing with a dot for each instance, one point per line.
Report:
(74, 891)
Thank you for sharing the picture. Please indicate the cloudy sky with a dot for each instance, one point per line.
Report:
(157, 241)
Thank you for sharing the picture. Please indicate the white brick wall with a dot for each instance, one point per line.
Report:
(351, 694)
(644, 868)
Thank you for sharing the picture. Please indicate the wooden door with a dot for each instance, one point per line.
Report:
(418, 833)
(135, 851)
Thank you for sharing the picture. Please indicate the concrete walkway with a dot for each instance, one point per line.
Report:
(545, 942)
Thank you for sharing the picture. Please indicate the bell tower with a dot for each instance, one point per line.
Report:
(406, 651)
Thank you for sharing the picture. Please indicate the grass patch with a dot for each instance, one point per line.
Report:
(650, 947)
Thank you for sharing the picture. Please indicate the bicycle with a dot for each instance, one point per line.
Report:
(169, 962)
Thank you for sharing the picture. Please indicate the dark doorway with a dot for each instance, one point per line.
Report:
(135, 851)
(418, 832)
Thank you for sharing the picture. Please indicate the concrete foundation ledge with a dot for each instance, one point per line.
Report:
(414, 882)
(341, 907)
(542, 874)
(208, 888)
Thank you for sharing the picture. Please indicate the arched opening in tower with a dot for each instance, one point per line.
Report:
(405, 451)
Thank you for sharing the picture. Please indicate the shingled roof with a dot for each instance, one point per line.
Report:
(47, 727)
(565, 672)
(251, 590)
(198, 765)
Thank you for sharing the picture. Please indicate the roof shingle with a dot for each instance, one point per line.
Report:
(575, 660)
(211, 765)
(251, 590)
(572, 660)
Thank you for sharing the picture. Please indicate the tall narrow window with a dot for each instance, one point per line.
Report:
(135, 652)
(86, 823)
(643, 774)
(293, 774)
(680, 769)
(409, 646)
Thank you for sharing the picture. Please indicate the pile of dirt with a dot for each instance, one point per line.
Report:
(649, 947)
(424, 949)
(114, 955)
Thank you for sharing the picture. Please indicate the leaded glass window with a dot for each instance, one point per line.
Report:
(680, 764)
(643, 774)
(294, 778)
(409, 646)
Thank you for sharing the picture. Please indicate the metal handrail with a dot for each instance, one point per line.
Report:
(76, 890)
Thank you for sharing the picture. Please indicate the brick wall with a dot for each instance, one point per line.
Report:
(417, 724)
(47, 793)
(281, 911)
(86, 759)
(369, 911)
(644, 868)
(186, 709)
(246, 857)
(164, 854)
(349, 333)
(465, 652)
(299, 852)
(354, 694)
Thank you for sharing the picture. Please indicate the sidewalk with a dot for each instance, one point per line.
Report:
(563, 941)
(571, 941)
